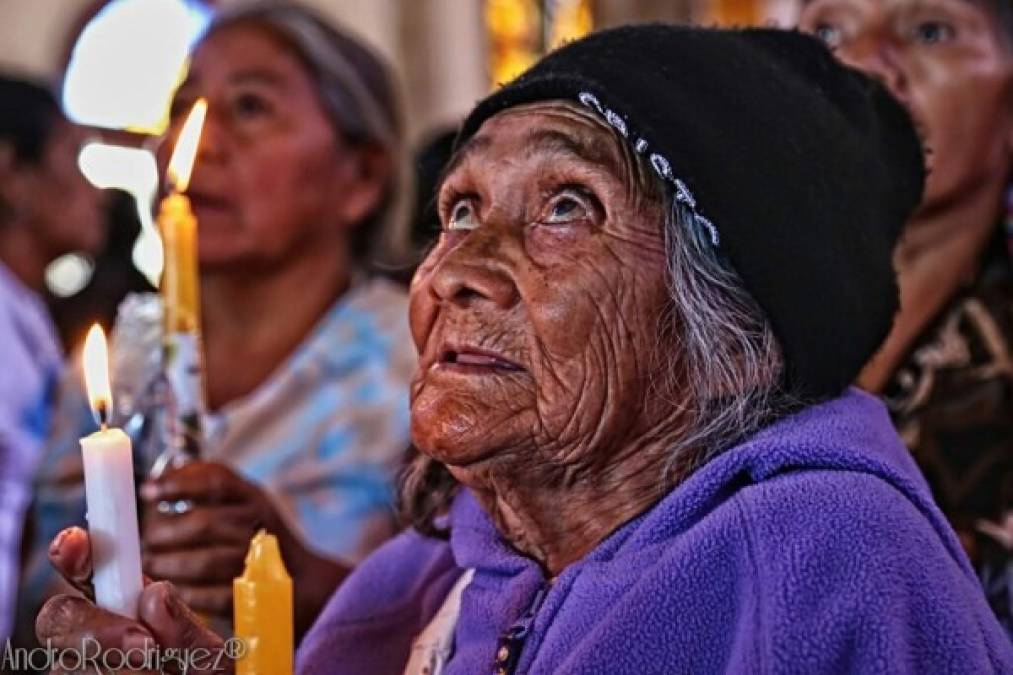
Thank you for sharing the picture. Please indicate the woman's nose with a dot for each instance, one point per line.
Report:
(874, 55)
(475, 272)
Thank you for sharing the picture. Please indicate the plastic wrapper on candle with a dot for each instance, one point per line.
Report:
(263, 610)
(112, 521)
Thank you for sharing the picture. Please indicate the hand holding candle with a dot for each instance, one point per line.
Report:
(164, 626)
(109, 491)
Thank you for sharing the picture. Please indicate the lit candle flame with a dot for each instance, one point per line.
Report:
(96, 374)
(183, 155)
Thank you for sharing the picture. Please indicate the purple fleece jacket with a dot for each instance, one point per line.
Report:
(812, 547)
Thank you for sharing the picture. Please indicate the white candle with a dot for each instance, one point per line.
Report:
(109, 491)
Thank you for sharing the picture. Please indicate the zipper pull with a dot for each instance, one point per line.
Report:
(510, 643)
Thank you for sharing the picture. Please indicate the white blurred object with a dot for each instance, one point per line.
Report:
(68, 274)
(128, 61)
(117, 166)
(147, 255)
(132, 170)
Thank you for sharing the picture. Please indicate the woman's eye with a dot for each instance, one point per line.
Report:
(933, 32)
(566, 209)
(462, 216)
(250, 105)
(830, 34)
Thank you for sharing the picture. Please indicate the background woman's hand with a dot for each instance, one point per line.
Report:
(164, 621)
(202, 550)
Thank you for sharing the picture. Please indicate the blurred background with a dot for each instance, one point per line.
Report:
(116, 63)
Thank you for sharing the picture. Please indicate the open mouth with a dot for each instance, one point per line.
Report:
(472, 359)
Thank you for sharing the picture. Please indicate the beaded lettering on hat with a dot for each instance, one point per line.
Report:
(658, 162)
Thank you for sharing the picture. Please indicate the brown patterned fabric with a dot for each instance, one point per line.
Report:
(952, 400)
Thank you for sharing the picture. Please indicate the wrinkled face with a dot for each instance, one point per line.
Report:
(949, 62)
(66, 210)
(272, 178)
(537, 314)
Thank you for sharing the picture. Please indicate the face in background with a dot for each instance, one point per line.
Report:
(537, 315)
(950, 63)
(273, 179)
(54, 199)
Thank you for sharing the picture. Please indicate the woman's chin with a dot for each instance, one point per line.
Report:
(453, 436)
(450, 447)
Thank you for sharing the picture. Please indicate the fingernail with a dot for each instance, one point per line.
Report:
(149, 491)
(57, 543)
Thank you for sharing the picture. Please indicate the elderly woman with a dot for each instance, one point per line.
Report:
(308, 356)
(665, 254)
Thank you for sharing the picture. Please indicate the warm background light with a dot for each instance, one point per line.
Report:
(127, 62)
(119, 167)
(121, 75)
(116, 166)
(96, 371)
(68, 274)
(132, 170)
(183, 155)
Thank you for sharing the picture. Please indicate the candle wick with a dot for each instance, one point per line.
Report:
(102, 413)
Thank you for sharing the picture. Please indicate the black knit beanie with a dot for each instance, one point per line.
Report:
(798, 169)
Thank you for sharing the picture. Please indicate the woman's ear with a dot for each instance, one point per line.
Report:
(365, 185)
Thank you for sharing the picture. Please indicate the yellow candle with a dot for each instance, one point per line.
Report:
(179, 232)
(262, 610)
(180, 293)
(181, 301)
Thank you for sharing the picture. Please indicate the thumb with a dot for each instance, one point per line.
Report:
(176, 627)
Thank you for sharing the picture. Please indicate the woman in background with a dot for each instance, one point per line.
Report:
(307, 355)
(946, 369)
